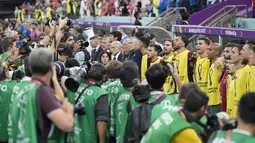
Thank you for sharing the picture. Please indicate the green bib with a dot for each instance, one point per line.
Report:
(85, 130)
(113, 88)
(5, 102)
(105, 84)
(165, 127)
(23, 116)
(6, 56)
(121, 114)
(235, 137)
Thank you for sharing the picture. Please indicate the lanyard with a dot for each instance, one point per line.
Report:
(36, 81)
(182, 114)
(228, 140)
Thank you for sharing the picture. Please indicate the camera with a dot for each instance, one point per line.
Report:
(60, 68)
(55, 20)
(79, 109)
(23, 47)
(73, 82)
(141, 93)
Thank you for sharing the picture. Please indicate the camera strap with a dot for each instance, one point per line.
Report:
(76, 101)
(228, 140)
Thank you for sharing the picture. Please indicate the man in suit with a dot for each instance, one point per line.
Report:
(138, 17)
(116, 50)
(97, 48)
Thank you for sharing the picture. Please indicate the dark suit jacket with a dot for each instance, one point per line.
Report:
(138, 23)
(95, 54)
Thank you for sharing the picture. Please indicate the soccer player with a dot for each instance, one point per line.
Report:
(251, 76)
(185, 59)
(170, 85)
(213, 84)
(241, 75)
(202, 64)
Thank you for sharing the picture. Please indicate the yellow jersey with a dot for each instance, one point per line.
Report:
(182, 65)
(230, 95)
(156, 61)
(251, 79)
(241, 82)
(201, 73)
(213, 85)
(144, 66)
(169, 85)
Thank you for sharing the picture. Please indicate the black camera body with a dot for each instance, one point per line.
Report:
(55, 20)
(79, 109)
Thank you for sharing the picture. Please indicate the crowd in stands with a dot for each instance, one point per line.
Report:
(81, 8)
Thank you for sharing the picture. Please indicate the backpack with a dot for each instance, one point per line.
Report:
(86, 56)
(139, 120)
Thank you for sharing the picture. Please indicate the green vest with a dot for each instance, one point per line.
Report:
(235, 137)
(5, 102)
(169, 100)
(23, 116)
(122, 114)
(165, 127)
(6, 56)
(113, 89)
(85, 130)
(105, 84)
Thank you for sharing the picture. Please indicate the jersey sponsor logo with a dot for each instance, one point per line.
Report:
(3, 88)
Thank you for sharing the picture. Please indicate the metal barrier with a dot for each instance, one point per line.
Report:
(160, 33)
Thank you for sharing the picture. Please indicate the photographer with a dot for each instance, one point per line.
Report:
(128, 73)
(245, 131)
(81, 53)
(35, 109)
(6, 87)
(92, 126)
(179, 122)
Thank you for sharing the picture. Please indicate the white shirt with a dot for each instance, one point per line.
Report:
(116, 56)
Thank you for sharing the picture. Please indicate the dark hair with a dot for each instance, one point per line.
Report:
(206, 40)
(246, 108)
(145, 40)
(104, 52)
(169, 40)
(185, 16)
(151, 36)
(230, 45)
(71, 63)
(78, 28)
(156, 76)
(185, 89)
(239, 47)
(64, 49)
(139, 34)
(157, 48)
(6, 43)
(65, 37)
(113, 69)
(94, 37)
(97, 72)
(184, 39)
(136, 14)
(128, 72)
(195, 100)
(116, 34)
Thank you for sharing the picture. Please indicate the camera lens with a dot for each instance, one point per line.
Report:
(60, 68)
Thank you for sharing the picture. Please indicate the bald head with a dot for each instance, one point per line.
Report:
(214, 50)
